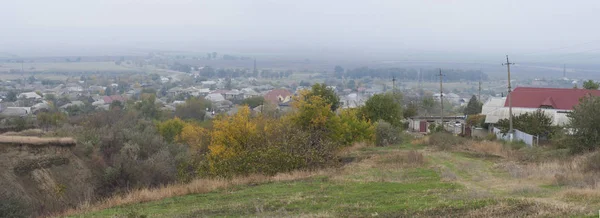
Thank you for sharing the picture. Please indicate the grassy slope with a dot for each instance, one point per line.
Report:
(383, 182)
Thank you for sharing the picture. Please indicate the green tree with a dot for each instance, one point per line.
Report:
(327, 94)
(147, 107)
(427, 104)
(116, 105)
(194, 108)
(253, 102)
(590, 84)
(170, 129)
(50, 119)
(473, 107)
(534, 123)
(385, 107)
(11, 96)
(411, 110)
(585, 124)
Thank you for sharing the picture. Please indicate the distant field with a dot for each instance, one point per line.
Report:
(67, 67)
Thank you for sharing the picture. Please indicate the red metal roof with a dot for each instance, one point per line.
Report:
(274, 95)
(110, 99)
(532, 97)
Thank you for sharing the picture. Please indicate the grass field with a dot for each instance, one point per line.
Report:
(407, 180)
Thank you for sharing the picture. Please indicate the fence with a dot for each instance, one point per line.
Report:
(530, 140)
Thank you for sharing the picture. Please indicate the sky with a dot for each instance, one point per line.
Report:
(525, 28)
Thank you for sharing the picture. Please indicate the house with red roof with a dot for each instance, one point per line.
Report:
(277, 96)
(110, 99)
(555, 102)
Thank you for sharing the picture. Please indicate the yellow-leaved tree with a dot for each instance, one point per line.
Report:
(355, 128)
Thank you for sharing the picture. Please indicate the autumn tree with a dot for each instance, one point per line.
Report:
(325, 93)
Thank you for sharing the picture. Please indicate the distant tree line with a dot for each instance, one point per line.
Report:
(410, 74)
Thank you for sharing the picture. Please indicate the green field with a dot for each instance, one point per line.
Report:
(396, 181)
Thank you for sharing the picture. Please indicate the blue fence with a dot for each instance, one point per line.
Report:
(521, 136)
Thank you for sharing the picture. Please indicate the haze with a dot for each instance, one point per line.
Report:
(471, 28)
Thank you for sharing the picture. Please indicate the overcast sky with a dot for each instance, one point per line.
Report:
(475, 26)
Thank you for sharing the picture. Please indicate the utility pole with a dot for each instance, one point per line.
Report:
(441, 99)
(479, 92)
(394, 84)
(509, 98)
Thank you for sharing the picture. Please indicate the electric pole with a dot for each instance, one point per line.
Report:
(479, 92)
(441, 100)
(394, 84)
(509, 98)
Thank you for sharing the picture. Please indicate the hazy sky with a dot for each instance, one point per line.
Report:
(475, 26)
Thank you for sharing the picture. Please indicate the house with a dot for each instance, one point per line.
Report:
(249, 93)
(215, 97)
(277, 96)
(554, 102)
(16, 111)
(110, 99)
(29, 95)
(234, 95)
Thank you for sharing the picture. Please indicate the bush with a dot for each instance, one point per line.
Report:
(592, 163)
(491, 137)
(445, 141)
(386, 134)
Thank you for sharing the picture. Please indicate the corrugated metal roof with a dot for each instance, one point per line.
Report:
(532, 97)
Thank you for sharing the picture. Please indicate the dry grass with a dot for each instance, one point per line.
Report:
(401, 159)
(420, 141)
(27, 132)
(195, 187)
(488, 148)
(24, 140)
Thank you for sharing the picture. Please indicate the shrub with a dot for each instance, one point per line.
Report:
(386, 134)
(445, 141)
(491, 137)
(592, 163)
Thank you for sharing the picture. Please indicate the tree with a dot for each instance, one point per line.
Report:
(383, 107)
(411, 110)
(116, 105)
(11, 96)
(585, 124)
(590, 84)
(473, 107)
(170, 129)
(148, 106)
(535, 123)
(194, 108)
(327, 94)
(253, 102)
(50, 119)
(214, 55)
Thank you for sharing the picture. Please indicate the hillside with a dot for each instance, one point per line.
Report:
(475, 179)
(41, 174)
